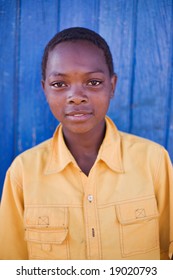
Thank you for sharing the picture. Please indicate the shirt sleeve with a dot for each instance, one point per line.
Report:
(12, 243)
(164, 193)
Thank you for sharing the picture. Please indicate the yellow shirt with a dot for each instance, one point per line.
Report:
(122, 210)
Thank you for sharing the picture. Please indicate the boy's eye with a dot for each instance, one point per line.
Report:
(58, 84)
(94, 83)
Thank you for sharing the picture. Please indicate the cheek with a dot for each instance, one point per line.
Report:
(55, 107)
(103, 102)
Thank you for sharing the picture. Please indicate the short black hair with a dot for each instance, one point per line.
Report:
(74, 34)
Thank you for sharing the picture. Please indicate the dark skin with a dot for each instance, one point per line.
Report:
(84, 153)
(78, 88)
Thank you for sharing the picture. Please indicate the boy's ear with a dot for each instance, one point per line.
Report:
(42, 84)
(113, 83)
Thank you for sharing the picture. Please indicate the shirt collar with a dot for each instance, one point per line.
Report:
(60, 156)
(109, 152)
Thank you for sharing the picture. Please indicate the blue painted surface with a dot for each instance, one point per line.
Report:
(140, 35)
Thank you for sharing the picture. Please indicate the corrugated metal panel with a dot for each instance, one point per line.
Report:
(140, 34)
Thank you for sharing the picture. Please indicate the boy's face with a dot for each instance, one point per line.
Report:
(78, 86)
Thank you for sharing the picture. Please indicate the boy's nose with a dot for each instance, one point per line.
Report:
(77, 96)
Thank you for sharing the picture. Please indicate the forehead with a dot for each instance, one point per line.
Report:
(71, 55)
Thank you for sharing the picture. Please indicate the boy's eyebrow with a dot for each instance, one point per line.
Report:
(56, 74)
(96, 71)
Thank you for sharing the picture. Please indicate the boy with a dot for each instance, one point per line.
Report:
(90, 192)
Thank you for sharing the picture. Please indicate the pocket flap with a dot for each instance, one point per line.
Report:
(46, 217)
(136, 211)
(43, 236)
(171, 250)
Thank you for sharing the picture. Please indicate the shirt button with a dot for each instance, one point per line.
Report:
(90, 197)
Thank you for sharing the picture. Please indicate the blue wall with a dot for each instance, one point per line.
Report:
(140, 34)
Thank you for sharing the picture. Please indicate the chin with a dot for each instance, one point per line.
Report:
(79, 129)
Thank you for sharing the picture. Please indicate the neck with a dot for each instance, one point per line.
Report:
(85, 146)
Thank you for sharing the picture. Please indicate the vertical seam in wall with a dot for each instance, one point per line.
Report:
(16, 76)
(58, 14)
(170, 81)
(97, 13)
(133, 65)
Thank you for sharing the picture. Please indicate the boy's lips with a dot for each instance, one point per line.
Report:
(79, 115)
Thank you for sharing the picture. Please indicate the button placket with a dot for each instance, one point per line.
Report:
(90, 198)
(90, 210)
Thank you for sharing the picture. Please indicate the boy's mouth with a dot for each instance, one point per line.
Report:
(78, 115)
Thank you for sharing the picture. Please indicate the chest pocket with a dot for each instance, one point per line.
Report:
(138, 226)
(46, 232)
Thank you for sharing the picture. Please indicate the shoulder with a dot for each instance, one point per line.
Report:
(146, 157)
(31, 157)
(141, 149)
(144, 153)
(131, 140)
(137, 148)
